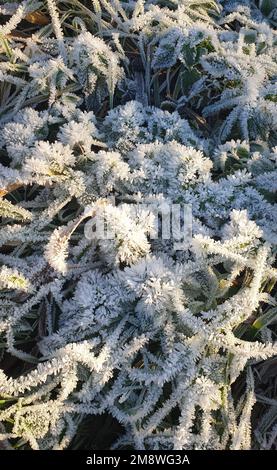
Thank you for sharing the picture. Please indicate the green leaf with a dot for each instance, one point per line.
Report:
(189, 77)
(263, 321)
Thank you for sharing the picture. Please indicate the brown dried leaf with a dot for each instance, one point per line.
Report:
(36, 17)
(9, 189)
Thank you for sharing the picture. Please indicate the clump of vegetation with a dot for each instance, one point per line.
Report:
(110, 112)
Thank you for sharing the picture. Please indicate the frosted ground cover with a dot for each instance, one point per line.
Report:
(111, 111)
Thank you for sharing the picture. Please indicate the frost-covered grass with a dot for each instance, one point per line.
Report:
(152, 103)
